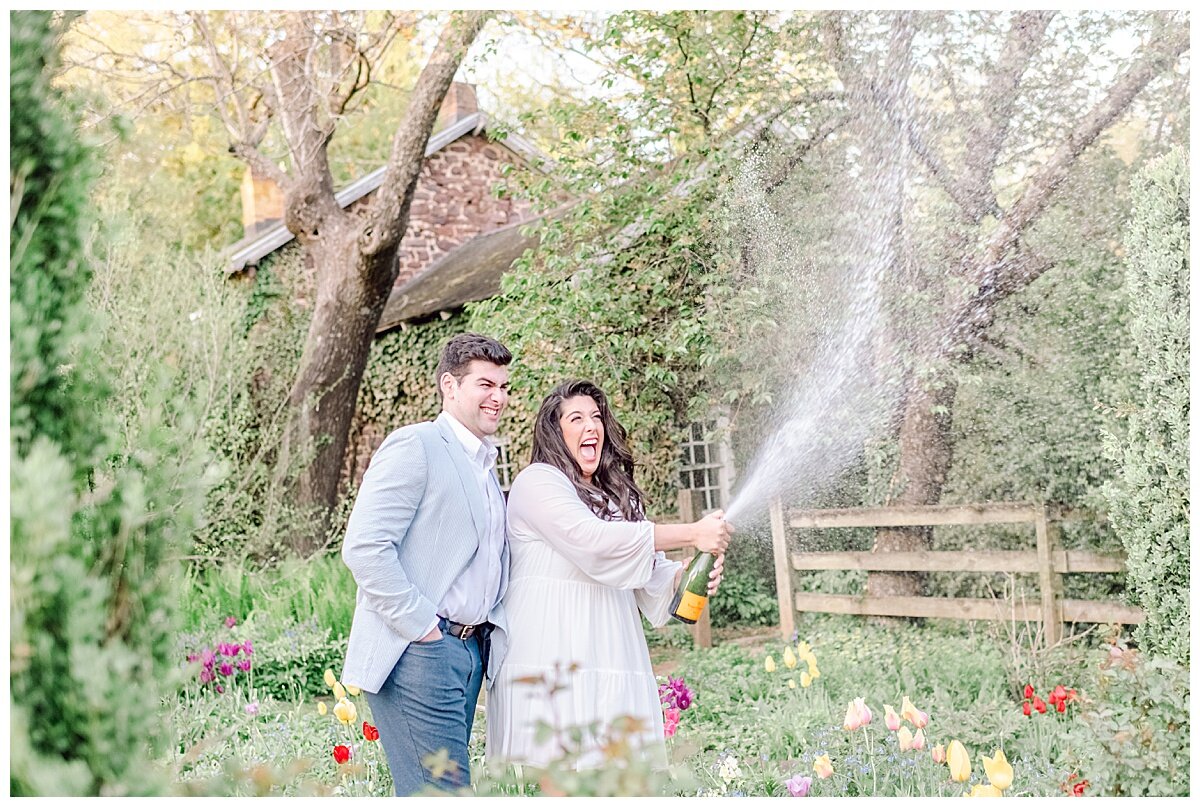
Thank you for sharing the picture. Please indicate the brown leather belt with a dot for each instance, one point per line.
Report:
(464, 632)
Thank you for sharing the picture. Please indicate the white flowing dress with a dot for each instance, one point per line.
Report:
(576, 585)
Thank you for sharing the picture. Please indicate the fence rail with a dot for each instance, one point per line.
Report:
(1046, 560)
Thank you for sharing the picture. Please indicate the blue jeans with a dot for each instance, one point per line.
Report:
(426, 705)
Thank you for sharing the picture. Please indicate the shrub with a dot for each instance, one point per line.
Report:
(744, 599)
(95, 523)
(1149, 499)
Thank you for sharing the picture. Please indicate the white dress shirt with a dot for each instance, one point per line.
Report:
(477, 589)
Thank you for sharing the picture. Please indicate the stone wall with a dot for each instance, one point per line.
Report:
(453, 202)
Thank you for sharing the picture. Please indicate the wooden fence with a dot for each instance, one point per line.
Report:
(1048, 561)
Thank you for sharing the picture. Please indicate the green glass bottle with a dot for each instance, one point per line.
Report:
(692, 595)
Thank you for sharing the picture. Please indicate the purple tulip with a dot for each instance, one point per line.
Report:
(226, 668)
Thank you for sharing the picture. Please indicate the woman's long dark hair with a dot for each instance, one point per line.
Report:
(612, 483)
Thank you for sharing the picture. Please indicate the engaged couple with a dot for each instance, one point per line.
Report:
(458, 590)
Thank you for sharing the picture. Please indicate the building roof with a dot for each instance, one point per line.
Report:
(251, 250)
(468, 273)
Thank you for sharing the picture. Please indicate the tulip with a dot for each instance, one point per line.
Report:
(999, 772)
(339, 691)
(322, 709)
(938, 753)
(983, 790)
(822, 767)
(791, 683)
(670, 721)
(341, 754)
(905, 738)
(329, 679)
(890, 718)
(1026, 709)
(864, 713)
(1028, 691)
(345, 711)
(852, 720)
(769, 663)
(813, 671)
(1062, 706)
(918, 741)
(789, 659)
(370, 733)
(1058, 694)
(913, 715)
(1039, 704)
(354, 691)
(804, 650)
(799, 785)
(960, 762)
(805, 680)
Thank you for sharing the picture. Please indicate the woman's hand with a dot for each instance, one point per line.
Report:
(714, 577)
(711, 533)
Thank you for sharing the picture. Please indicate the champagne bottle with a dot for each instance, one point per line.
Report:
(692, 595)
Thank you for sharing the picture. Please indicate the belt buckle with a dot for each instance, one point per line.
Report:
(467, 632)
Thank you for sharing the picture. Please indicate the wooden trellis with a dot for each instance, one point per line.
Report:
(1047, 561)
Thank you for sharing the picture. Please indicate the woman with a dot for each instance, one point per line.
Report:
(584, 561)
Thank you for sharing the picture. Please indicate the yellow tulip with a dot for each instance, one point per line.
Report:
(339, 691)
(803, 649)
(805, 680)
(354, 691)
(999, 772)
(789, 659)
(769, 663)
(791, 683)
(913, 715)
(983, 790)
(322, 709)
(905, 738)
(813, 671)
(345, 711)
(959, 761)
(330, 680)
(822, 767)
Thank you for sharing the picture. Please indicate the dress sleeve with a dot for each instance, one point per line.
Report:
(543, 504)
(654, 598)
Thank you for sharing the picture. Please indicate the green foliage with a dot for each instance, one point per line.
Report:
(1149, 498)
(1136, 735)
(398, 386)
(745, 598)
(97, 523)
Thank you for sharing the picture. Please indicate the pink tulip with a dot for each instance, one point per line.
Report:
(918, 740)
(864, 713)
(852, 720)
(890, 718)
(939, 753)
(670, 721)
(905, 738)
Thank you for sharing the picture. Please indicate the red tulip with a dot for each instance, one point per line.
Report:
(341, 754)
(1025, 709)
(1077, 790)
(370, 732)
(1062, 706)
(1039, 704)
(1029, 690)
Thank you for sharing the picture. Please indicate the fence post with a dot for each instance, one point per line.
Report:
(702, 630)
(783, 571)
(1051, 615)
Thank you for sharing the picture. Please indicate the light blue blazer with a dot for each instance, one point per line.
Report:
(417, 523)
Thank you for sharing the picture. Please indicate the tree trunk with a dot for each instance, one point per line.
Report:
(925, 454)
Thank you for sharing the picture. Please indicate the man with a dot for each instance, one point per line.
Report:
(425, 543)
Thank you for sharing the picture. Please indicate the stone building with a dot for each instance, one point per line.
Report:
(460, 239)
